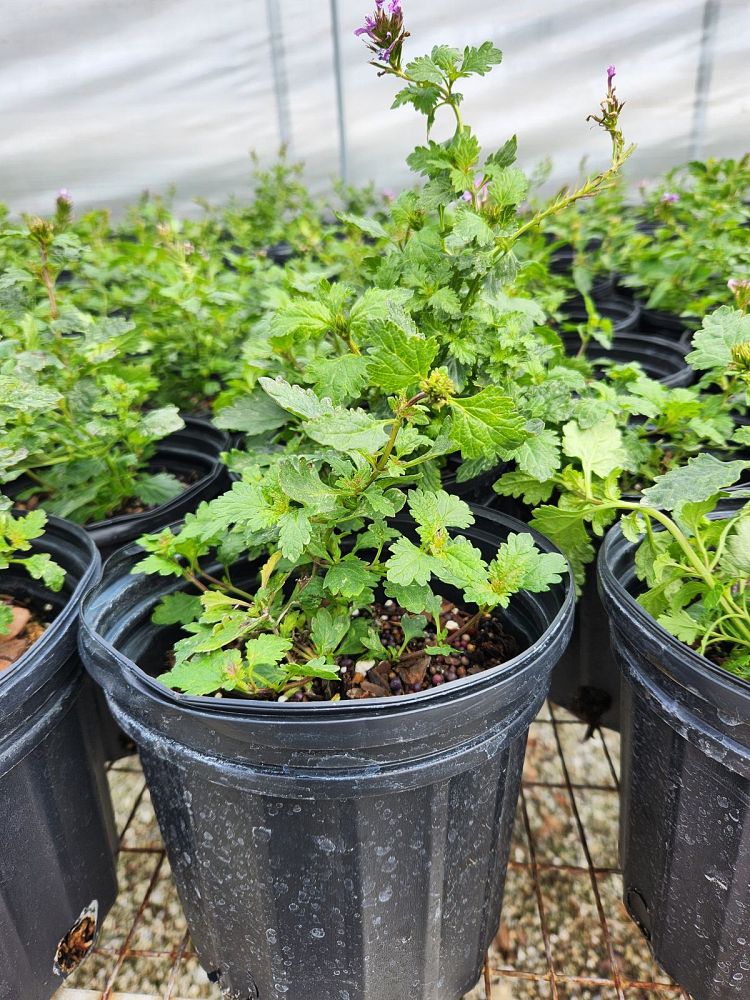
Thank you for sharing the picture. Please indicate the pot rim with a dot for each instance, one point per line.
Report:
(454, 690)
(69, 611)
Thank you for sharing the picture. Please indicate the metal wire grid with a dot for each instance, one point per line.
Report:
(565, 934)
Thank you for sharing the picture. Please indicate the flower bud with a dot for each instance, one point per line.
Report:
(741, 358)
(438, 387)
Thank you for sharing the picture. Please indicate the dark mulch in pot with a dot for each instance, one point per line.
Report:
(479, 642)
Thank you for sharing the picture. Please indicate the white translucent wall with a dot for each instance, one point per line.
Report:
(110, 97)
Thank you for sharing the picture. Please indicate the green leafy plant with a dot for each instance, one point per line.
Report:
(74, 389)
(435, 290)
(16, 535)
(697, 239)
(319, 526)
(694, 566)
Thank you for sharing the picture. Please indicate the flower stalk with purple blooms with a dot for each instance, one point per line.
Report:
(384, 34)
(609, 117)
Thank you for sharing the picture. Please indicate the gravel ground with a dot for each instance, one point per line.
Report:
(144, 953)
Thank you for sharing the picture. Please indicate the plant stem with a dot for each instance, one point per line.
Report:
(48, 283)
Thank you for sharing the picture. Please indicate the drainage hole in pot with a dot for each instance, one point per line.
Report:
(78, 942)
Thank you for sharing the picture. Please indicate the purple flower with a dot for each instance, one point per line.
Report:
(670, 198)
(368, 29)
(738, 284)
(64, 195)
(611, 73)
(482, 194)
(384, 31)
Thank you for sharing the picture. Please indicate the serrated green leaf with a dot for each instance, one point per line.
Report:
(424, 70)
(539, 455)
(506, 155)
(468, 226)
(487, 424)
(202, 674)
(398, 362)
(445, 300)
(720, 331)
(681, 624)
(177, 609)
(599, 448)
(509, 186)
(328, 630)
(300, 481)
(158, 423)
(42, 567)
(479, 61)
(525, 487)
(414, 597)
(702, 477)
(342, 378)
(253, 414)
(366, 225)
(436, 511)
(408, 565)
(348, 431)
(350, 578)
(243, 504)
(294, 533)
(157, 488)
(301, 402)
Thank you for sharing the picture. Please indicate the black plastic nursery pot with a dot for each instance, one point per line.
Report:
(194, 451)
(343, 850)
(585, 679)
(667, 325)
(57, 872)
(624, 313)
(685, 819)
(663, 360)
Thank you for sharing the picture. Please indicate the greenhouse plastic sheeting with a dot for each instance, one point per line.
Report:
(111, 97)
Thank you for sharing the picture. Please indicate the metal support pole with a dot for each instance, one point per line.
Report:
(338, 72)
(278, 68)
(711, 13)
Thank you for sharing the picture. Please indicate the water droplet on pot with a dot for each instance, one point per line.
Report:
(271, 935)
(261, 834)
(385, 894)
(717, 877)
(317, 932)
(325, 844)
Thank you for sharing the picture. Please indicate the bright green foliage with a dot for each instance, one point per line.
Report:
(74, 387)
(430, 314)
(318, 527)
(694, 567)
(699, 238)
(16, 536)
